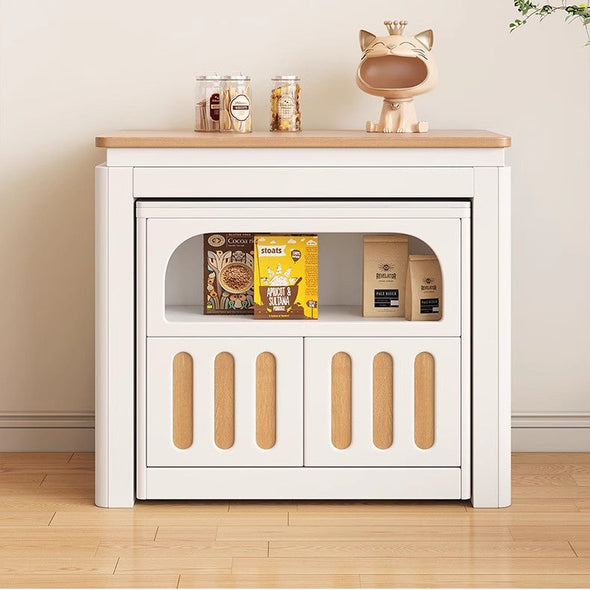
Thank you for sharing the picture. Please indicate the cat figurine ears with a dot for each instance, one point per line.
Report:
(397, 67)
(397, 28)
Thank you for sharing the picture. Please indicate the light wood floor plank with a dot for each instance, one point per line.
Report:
(20, 480)
(542, 479)
(421, 549)
(582, 478)
(561, 458)
(550, 533)
(24, 518)
(69, 480)
(583, 505)
(541, 505)
(89, 581)
(418, 565)
(351, 533)
(383, 507)
(158, 549)
(171, 565)
(475, 518)
(261, 507)
(39, 503)
(37, 460)
(549, 468)
(559, 492)
(154, 507)
(56, 565)
(582, 548)
(51, 534)
(14, 547)
(484, 581)
(130, 517)
(269, 581)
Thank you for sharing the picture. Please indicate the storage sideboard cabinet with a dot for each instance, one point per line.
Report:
(195, 406)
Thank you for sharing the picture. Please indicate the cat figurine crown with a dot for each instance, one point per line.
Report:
(397, 67)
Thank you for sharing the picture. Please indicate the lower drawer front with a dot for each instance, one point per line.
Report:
(382, 402)
(224, 402)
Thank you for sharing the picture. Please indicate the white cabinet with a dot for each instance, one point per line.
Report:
(193, 406)
(223, 402)
(382, 402)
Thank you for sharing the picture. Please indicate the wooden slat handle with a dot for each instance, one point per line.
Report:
(182, 400)
(383, 400)
(424, 386)
(224, 400)
(266, 400)
(341, 400)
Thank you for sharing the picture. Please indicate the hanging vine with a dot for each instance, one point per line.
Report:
(572, 12)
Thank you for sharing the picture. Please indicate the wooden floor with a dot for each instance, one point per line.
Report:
(52, 535)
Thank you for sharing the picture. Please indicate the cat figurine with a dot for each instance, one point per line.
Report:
(398, 68)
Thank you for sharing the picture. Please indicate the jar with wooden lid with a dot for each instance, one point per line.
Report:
(236, 105)
(207, 103)
(285, 104)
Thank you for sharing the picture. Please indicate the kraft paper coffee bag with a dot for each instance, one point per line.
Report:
(423, 288)
(385, 261)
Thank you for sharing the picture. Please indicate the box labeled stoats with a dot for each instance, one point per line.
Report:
(385, 261)
(229, 273)
(286, 277)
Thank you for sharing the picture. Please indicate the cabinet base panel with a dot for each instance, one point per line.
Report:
(300, 483)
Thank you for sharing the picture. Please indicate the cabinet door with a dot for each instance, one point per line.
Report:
(224, 402)
(382, 402)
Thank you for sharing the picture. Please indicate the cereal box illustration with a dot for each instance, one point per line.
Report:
(286, 277)
(229, 273)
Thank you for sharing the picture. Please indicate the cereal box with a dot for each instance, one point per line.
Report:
(286, 277)
(229, 273)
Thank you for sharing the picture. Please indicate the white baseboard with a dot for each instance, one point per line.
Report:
(46, 431)
(558, 432)
(74, 431)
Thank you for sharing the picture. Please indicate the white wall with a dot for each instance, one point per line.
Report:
(70, 69)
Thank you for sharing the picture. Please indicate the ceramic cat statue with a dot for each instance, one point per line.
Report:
(397, 67)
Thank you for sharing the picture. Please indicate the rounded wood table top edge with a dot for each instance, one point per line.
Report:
(303, 139)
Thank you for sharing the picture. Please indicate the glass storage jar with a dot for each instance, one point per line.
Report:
(236, 111)
(207, 103)
(285, 105)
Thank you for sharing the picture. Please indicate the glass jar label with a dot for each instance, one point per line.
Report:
(286, 107)
(214, 106)
(239, 107)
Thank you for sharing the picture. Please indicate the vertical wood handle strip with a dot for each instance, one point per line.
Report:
(266, 400)
(383, 400)
(341, 400)
(224, 400)
(182, 400)
(424, 386)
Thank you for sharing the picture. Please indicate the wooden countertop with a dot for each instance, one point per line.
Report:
(305, 139)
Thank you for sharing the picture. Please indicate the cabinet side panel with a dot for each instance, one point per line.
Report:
(486, 273)
(505, 338)
(115, 319)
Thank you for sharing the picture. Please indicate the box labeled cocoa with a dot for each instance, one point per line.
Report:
(229, 273)
(385, 261)
(286, 277)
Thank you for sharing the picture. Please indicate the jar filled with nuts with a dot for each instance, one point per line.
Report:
(236, 112)
(285, 105)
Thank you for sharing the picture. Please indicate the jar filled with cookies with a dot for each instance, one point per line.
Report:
(207, 103)
(284, 104)
(236, 111)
